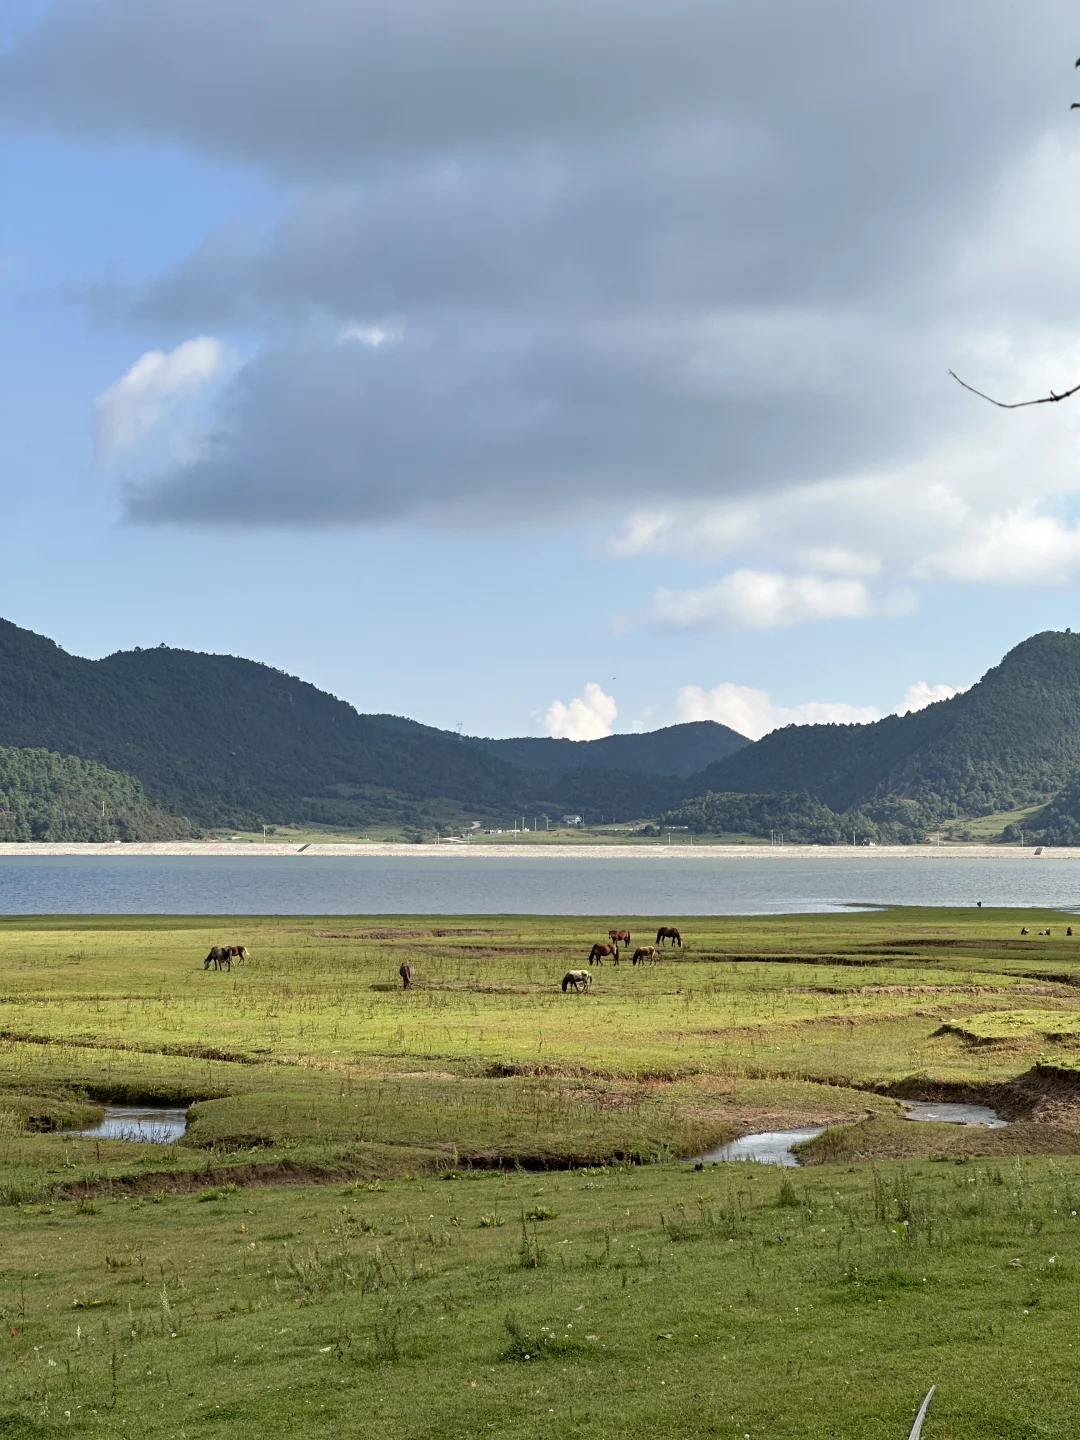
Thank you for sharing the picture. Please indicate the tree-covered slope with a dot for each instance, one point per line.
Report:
(228, 740)
(59, 797)
(675, 750)
(1009, 741)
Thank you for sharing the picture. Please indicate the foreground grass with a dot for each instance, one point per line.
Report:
(386, 1201)
(656, 1302)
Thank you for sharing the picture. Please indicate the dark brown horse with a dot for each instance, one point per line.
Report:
(619, 937)
(668, 932)
(237, 952)
(406, 972)
(598, 952)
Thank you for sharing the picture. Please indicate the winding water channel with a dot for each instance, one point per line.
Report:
(775, 1147)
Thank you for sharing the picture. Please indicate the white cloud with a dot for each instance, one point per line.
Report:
(1018, 547)
(752, 712)
(587, 717)
(154, 393)
(760, 600)
(919, 694)
(371, 335)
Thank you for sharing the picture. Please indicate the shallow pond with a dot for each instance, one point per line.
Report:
(150, 1124)
(953, 1114)
(774, 1147)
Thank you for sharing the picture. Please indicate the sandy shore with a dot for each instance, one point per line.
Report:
(204, 849)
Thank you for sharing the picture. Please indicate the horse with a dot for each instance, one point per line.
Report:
(1025, 931)
(1069, 930)
(668, 932)
(577, 980)
(598, 952)
(238, 952)
(1044, 932)
(220, 957)
(643, 953)
(406, 972)
(619, 937)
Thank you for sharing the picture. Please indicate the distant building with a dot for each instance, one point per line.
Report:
(571, 819)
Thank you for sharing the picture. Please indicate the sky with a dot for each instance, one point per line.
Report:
(554, 367)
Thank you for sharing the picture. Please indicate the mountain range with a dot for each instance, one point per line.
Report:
(216, 740)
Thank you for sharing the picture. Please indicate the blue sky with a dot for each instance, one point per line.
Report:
(456, 358)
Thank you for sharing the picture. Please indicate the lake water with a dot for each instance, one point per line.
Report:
(157, 1125)
(559, 884)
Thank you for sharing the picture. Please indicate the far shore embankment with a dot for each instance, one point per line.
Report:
(682, 850)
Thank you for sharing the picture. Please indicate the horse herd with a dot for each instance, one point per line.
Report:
(581, 980)
(222, 956)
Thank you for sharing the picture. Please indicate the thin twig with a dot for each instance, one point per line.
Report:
(916, 1429)
(1050, 399)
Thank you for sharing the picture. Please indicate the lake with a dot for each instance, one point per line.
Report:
(561, 883)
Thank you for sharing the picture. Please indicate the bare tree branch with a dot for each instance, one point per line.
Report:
(1050, 399)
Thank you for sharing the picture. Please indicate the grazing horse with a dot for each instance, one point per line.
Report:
(238, 952)
(668, 932)
(577, 980)
(598, 952)
(1044, 932)
(619, 937)
(220, 957)
(1069, 930)
(1025, 931)
(643, 953)
(406, 972)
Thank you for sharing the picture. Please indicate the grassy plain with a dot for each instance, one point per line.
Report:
(385, 1200)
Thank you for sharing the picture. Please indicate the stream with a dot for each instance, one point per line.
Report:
(774, 1147)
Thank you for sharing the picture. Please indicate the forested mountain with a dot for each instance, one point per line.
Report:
(229, 741)
(676, 750)
(1009, 741)
(58, 797)
(226, 741)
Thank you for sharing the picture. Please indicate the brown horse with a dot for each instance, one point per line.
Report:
(619, 937)
(668, 932)
(237, 952)
(643, 953)
(598, 952)
(406, 972)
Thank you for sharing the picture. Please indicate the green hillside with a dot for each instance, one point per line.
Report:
(229, 741)
(1008, 742)
(58, 797)
(675, 750)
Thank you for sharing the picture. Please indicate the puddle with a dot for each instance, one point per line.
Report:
(771, 1147)
(953, 1114)
(150, 1124)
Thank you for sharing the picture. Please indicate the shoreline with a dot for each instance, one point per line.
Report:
(204, 849)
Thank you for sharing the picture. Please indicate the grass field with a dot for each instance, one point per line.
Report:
(386, 1200)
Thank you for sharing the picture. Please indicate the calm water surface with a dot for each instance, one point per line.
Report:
(156, 1124)
(561, 884)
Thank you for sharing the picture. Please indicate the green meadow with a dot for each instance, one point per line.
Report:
(474, 1208)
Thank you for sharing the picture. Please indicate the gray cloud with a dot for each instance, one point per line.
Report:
(633, 250)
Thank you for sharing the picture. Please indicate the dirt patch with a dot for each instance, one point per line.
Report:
(390, 934)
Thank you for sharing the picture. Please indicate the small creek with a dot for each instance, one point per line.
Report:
(150, 1124)
(774, 1147)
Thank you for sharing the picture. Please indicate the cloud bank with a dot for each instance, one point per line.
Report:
(587, 717)
(696, 258)
(754, 714)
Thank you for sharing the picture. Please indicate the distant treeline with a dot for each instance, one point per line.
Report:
(800, 818)
(59, 797)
